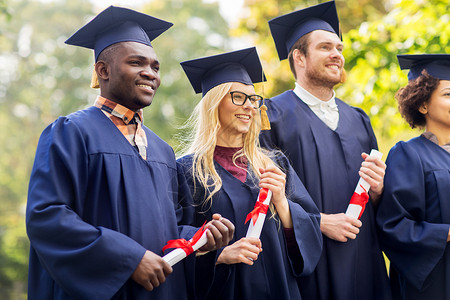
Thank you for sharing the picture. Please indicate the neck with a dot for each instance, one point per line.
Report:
(319, 90)
(442, 134)
(234, 141)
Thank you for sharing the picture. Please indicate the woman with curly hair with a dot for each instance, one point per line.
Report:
(223, 171)
(414, 214)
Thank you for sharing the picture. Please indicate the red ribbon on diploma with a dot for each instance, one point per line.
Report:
(361, 200)
(260, 207)
(184, 244)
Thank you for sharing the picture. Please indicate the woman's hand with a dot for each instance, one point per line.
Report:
(246, 250)
(274, 179)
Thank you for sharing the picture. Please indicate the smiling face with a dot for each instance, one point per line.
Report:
(130, 75)
(437, 109)
(235, 120)
(322, 66)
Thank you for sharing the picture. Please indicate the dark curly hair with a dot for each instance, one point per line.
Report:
(411, 97)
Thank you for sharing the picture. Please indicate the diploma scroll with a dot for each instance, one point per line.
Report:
(258, 214)
(360, 197)
(184, 248)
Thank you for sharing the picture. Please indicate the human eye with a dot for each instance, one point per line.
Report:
(135, 61)
(238, 96)
(254, 98)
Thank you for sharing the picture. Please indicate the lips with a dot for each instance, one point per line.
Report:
(243, 117)
(334, 67)
(147, 86)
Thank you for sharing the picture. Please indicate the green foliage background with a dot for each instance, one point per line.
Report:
(41, 78)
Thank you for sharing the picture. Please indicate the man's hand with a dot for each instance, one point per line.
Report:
(372, 170)
(219, 234)
(246, 250)
(151, 271)
(339, 227)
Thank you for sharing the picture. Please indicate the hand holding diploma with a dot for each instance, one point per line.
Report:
(216, 234)
(184, 247)
(372, 174)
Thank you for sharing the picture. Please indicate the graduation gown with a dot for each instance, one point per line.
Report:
(95, 206)
(414, 216)
(328, 162)
(273, 275)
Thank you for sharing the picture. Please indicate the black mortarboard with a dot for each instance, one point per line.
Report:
(287, 29)
(238, 66)
(437, 65)
(118, 24)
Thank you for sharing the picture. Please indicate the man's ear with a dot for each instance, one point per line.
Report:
(102, 69)
(298, 57)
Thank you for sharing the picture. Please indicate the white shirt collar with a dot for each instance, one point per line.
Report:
(310, 99)
(327, 111)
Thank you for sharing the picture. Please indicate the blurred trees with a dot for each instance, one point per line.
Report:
(41, 78)
(371, 50)
(372, 39)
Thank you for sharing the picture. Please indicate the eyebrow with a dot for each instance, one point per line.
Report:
(331, 43)
(141, 57)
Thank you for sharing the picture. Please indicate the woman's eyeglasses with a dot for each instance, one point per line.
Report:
(239, 98)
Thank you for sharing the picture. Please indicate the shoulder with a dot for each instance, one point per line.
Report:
(85, 116)
(280, 99)
(284, 107)
(153, 138)
(279, 158)
(185, 159)
(184, 163)
(75, 122)
(357, 111)
(405, 151)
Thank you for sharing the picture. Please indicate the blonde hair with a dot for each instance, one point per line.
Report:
(202, 140)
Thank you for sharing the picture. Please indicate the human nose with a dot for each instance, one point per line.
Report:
(150, 73)
(248, 104)
(336, 53)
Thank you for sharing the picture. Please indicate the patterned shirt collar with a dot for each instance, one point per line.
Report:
(117, 110)
(129, 123)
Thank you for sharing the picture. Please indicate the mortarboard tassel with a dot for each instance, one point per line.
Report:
(265, 124)
(94, 80)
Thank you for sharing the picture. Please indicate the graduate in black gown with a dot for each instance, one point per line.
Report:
(224, 169)
(326, 141)
(103, 189)
(414, 213)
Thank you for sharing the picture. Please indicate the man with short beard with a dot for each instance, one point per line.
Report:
(327, 140)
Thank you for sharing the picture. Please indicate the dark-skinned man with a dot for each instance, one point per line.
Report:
(102, 199)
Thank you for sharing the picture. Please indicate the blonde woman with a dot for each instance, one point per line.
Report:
(223, 171)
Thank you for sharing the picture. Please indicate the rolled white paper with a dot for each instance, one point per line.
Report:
(178, 254)
(354, 210)
(255, 230)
